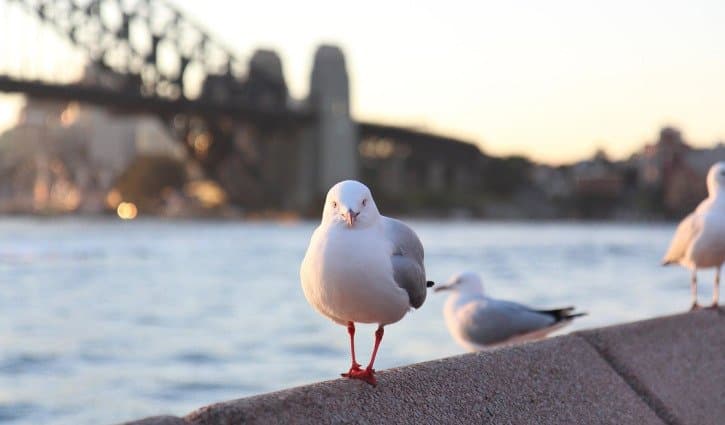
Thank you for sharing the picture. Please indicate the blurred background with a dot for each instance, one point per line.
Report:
(163, 163)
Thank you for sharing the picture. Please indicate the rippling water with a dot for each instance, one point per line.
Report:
(104, 321)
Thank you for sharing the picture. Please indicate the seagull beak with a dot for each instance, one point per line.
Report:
(443, 288)
(350, 216)
(449, 286)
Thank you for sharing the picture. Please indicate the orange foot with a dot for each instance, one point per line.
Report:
(354, 369)
(367, 375)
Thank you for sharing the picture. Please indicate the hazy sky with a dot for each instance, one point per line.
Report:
(553, 80)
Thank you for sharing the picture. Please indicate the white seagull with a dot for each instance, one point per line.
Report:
(477, 321)
(362, 267)
(699, 240)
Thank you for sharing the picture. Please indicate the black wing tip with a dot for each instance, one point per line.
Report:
(429, 284)
(575, 315)
(566, 313)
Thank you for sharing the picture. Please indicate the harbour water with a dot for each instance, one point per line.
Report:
(103, 321)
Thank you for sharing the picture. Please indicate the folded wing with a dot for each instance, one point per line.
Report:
(687, 231)
(407, 260)
(488, 321)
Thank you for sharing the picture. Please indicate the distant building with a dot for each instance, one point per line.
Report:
(658, 160)
(597, 176)
(702, 159)
(678, 169)
(554, 182)
(66, 156)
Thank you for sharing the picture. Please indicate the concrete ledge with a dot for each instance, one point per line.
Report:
(676, 364)
(549, 382)
(666, 370)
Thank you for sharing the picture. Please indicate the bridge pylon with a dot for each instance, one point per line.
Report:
(329, 151)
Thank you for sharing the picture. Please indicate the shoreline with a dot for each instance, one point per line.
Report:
(315, 219)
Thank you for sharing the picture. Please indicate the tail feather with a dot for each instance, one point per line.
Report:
(565, 313)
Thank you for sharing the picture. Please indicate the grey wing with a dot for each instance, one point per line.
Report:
(490, 321)
(686, 232)
(407, 260)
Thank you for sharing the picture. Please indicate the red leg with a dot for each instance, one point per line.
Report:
(355, 367)
(368, 375)
(378, 338)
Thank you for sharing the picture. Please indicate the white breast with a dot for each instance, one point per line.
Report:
(456, 323)
(347, 275)
(708, 249)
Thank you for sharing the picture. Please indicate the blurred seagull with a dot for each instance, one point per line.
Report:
(699, 240)
(477, 321)
(362, 267)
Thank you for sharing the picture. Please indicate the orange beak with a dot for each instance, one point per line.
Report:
(350, 217)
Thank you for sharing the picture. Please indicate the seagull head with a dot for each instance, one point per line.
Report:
(350, 203)
(465, 282)
(716, 178)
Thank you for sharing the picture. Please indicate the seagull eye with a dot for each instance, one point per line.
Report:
(365, 201)
(334, 204)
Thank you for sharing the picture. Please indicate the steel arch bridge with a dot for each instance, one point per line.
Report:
(151, 43)
(149, 57)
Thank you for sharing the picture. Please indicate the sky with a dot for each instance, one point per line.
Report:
(552, 80)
